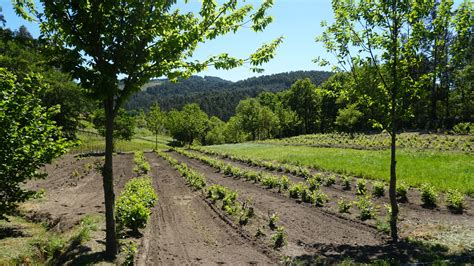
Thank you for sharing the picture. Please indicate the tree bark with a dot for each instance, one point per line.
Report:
(108, 181)
(156, 141)
(393, 114)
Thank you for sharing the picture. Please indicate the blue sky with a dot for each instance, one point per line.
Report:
(297, 20)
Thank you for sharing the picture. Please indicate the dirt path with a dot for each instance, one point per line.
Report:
(185, 230)
(309, 229)
(74, 189)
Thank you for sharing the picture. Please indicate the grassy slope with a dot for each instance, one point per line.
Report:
(444, 170)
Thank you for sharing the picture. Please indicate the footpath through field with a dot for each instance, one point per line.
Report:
(185, 230)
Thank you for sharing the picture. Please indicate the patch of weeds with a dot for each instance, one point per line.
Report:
(429, 196)
(344, 205)
(279, 239)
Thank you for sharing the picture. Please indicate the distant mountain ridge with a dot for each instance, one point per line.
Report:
(216, 96)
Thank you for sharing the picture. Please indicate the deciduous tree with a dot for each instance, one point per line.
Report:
(381, 35)
(139, 40)
(29, 138)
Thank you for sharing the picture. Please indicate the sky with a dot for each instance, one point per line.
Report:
(298, 21)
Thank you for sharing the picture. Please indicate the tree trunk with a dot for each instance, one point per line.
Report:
(156, 141)
(393, 116)
(393, 186)
(108, 181)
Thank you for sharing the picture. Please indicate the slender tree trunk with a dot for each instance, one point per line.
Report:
(108, 181)
(156, 141)
(393, 114)
(393, 186)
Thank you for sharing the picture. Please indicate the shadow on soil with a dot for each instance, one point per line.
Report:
(402, 252)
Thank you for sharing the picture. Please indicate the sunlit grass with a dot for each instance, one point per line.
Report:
(92, 143)
(444, 170)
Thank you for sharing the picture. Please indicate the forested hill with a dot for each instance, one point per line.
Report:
(217, 97)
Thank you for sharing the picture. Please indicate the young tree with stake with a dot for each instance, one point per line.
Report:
(381, 35)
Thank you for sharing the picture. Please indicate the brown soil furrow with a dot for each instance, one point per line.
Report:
(184, 230)
(306, 226)
(74, 188)
(412, 212)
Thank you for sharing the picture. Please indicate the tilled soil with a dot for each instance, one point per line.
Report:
(456, 230)
(74, 189)
(184, 230)
(309, 229)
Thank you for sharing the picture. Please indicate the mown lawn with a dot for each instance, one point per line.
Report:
(444, 170)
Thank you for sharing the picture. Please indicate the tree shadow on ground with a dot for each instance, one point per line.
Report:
(6, 232)
(405, 251)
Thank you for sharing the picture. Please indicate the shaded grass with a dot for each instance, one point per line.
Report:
(25, 242)
(444, 170)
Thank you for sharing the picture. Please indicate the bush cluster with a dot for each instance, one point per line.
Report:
(455, 201)
(366, 208)
(429, 196)
(378, 189)
(133, 207)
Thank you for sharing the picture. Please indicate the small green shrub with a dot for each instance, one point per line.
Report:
(361, 187)
(464, 128)
(279, 239)
(132, 208)
(272, 221)
(330, 180)
(313, 183)
(270, 181)
(455, 201)
(284, 183)
(320, 198)
(402, 191)
(296, 190)
(344, 205)
(346, 182)
(378, 189)
(366, 208)
(429, 196)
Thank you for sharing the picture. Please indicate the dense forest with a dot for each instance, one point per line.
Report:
(217, 97)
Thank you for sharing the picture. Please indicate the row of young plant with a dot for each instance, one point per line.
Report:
(227, 198)
(193, 178)
(216, 193)
(142, 167)
(381, 141)
(133, 206)
(310, 192)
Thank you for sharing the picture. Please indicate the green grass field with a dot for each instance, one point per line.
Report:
(92, 142)
(444, 170)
